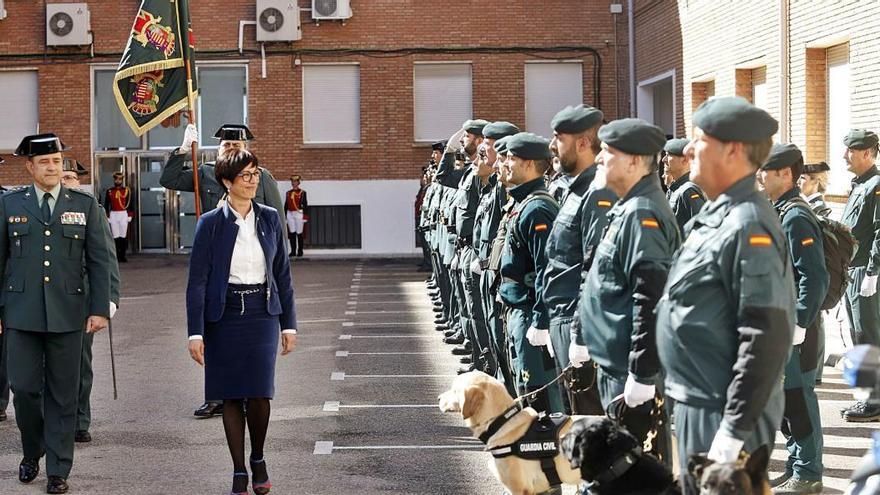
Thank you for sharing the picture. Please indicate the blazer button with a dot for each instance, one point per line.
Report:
(47, 248)
(76, 236)
(46, 263)
(46, 279)
(48, 232)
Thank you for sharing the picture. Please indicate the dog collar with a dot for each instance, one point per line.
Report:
(498, 422)
(617, 468)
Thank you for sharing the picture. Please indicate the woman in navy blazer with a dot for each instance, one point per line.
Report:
(239, 299)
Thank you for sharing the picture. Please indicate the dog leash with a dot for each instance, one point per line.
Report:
(534, 393)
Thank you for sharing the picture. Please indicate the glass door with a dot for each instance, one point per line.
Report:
(102, 179)
(154, 207)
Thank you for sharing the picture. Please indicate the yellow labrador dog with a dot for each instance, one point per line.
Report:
(481, 399)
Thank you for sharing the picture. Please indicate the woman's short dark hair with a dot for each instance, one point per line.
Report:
(230, 164)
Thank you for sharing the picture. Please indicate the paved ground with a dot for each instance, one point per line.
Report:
(355, 408)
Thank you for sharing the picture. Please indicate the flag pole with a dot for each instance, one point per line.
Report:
(195, 146)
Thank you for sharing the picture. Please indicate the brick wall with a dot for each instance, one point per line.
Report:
(387, 150)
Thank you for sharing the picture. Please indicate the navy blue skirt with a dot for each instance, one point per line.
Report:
(240, 349)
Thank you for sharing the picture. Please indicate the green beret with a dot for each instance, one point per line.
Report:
(734, 119)
(500, 129)
(676, 146)
(529, 146)
(860, 139)
(501, 145)
(815, 168)
(475, 126)
(575, 120)
(783, 156)
(633, 136)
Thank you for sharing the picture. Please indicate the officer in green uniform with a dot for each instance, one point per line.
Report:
(685, 197)
(801, 423)
(72, 171)
(47, 302)
(447, 174)
(726, 319)
(625, 280)
(486, 158)
(492, 238)
(466, 204)
(582, 216)
(4, 378)
(862, 215)
(178, 176)
(522, 269)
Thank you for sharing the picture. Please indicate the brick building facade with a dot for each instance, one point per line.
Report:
(811, 64)
(368, 68)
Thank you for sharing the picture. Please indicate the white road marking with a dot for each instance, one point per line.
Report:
(341, 353)
(345, 337)
(323, 448)
(347, 323)
(347, 353)
(335, 406)
(327, 448)
(337, 376)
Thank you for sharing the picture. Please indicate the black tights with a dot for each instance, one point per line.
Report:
(234, 419)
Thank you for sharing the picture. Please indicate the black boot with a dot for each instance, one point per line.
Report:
(124, 243)
(299, 247)
(292, 238)
(117, 241)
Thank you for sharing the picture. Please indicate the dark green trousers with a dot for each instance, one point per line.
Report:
(801, 421)
(585, 399)
(497, 338)
(695, 428)
(863, 312)
(86, 377)
(532, 366)
(470, 282)
(44, 377)
(4, 375)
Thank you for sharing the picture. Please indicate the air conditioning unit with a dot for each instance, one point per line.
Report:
(278, 20)
(327, 10)
(68, 24)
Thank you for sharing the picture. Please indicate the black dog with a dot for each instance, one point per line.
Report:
(610, 458)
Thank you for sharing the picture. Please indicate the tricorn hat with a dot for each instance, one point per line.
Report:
(234, 132)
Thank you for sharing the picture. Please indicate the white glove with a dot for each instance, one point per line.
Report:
(476, 268)
(635, 393)
(578, 354)
(454, 143)
(538, 337)
(725, 448)
(113, 309)
(129, 219)
(190, 136)
(869, 286)
(550, 349)
(800, 333)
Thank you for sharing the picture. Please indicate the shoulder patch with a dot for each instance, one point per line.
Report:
(809, 241)
(877, 192)
(604, 203)
(541, 227)
(650, 223)
(695, 196)
(760, 240)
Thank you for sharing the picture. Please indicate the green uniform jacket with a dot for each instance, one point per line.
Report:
(807, 255)
(45, 288)
(525, 255)
(492, 219)
(725, 323)
(641, 237)
(686, 199)
(565, 253)
(862, 215)
(466, 207)
(484, 209)
(178, 176)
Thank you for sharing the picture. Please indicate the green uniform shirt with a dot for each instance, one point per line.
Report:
(862, 215)
(686, 199)
(45, 288)
(525, 257)
(491, 220)
(642, 236)
(565, 251)
(725, 323)
(484, 209)
(807, 255)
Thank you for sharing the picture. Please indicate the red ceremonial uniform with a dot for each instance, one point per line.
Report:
(295, 200)
(119, 199)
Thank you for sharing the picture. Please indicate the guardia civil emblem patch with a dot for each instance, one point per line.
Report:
(148, 30)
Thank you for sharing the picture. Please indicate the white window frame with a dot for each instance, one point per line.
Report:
(36, 71)
(330, 144)
(645, 98)
(526, 86)
(215, 143)
(470, 113)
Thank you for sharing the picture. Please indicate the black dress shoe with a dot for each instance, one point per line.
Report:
(455, 339)
(465, 369)
(209, 409)
(28, 470)
(466, 359)
(82, 436)
(450, 332)
(862, 412)
(462, 350)
(57, 484)
(3, 416)
(441, 327)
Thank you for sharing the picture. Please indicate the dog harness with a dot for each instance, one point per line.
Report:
(617, 468)
(539, 443)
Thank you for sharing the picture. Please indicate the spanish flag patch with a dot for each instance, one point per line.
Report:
(807, 242)
(650, 223)
(760, 240)
(695, 196)
(603, 202)
(541, 227)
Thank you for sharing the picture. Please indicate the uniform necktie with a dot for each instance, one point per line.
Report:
(47, 213)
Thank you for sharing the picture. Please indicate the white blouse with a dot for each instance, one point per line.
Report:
(248, 264)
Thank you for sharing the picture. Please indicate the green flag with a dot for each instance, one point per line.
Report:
(150, 84)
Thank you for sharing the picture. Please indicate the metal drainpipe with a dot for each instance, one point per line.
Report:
(785, 69)
(632, 58)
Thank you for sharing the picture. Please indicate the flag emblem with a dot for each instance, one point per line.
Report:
(148, 31)
(650, 223)
(760, 240)
(807, 242)
(603, 202)
(541, 227)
